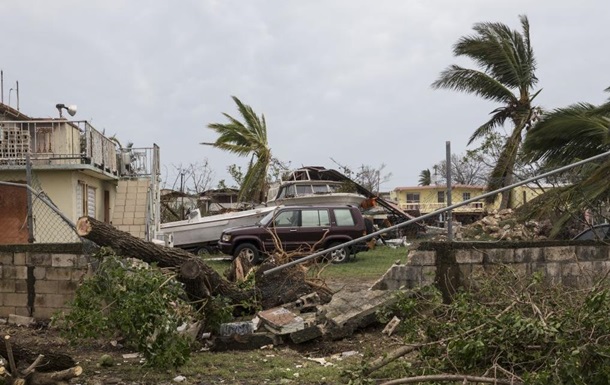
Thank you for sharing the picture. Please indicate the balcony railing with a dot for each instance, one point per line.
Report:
(56, 142)
(424, 207)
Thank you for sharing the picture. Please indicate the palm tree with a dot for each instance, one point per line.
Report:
(246, 139)
(567, 135)
(506, 75)
(425, 178)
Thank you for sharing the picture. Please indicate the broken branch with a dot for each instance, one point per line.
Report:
(451, 378)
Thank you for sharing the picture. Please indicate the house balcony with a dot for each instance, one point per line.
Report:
(62, 144)
(425, 208)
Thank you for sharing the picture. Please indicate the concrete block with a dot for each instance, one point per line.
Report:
(6, 258)
(59, 273)
(428, 276)
(591, 253)
(21, 272)
(528, 255)
(8, 272)
(19, 320)
(22, 311)
(468, 256)
(47, 287)
(560, 254)
(63, 260)
(19, 259)
(128, 221)
(15, 299)
(7, 285)
(21, 286)
(66, 287)
(40, 273)
(5, 311)
(423, 258)
(52, 300)
(39, 259)
(499, 256)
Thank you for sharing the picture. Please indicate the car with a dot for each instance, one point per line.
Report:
(597, 232)
(298, 229)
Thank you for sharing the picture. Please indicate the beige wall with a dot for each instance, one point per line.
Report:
(60, 186)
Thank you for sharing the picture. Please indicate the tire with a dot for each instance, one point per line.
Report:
(203, 252)
(340, 255)
(249, 252)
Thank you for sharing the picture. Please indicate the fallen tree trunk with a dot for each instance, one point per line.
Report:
(200, 280)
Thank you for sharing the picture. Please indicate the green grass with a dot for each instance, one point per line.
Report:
(367, 266)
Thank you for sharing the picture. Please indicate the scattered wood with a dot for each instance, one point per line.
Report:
(452, 378)
(32, 376)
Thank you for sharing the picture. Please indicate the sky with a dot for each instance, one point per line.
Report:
(344, 81)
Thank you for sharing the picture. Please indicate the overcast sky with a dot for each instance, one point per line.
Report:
(342, 79)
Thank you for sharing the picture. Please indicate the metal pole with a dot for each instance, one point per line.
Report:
(434, 213)
(28, 179)
(449, 214)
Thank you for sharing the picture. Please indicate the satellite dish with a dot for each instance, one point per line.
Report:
(71, 109)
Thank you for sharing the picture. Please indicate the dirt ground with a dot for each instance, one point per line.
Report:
(41, 337)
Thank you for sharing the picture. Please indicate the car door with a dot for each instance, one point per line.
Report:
(285, 226)
(314, 225)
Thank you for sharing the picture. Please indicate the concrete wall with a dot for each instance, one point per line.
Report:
(39, 279)
(450, 266)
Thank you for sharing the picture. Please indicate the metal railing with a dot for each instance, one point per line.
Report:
(56, 142)
(435, 213)
(428, 207)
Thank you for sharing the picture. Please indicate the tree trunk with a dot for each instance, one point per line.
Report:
(200, 280)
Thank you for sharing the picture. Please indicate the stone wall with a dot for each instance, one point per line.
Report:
(451, 265)
(39, 279)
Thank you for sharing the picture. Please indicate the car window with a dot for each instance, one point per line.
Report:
(344, 217)
(599, 232)
(314, 218)
(287, 218)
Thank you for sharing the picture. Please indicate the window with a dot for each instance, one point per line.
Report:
(85, 199)
(344, 217)
(314, 218)
(465, 196)
(441, 197)
(412, 197)
(289, 218)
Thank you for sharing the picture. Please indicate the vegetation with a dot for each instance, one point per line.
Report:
(135, 303)
(564, 136)
(506, 75)
(510, 328)
(247, 138)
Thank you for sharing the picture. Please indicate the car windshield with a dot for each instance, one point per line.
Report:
(266, 219)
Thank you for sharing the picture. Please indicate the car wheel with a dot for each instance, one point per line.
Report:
(249, 252)
(203, 252)
(340, 255)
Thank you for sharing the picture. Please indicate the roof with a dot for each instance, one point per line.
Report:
(11, 113)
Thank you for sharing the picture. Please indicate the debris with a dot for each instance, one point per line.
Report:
(129, 356)
(391, 326)
(321, 361)
(19, 320)
(281, 321)
(239, 328)
(179, 379)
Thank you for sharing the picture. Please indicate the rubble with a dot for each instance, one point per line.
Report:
(502, 225)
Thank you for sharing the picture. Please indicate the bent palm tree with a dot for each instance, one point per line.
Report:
(506, 75)
(246, 139)
(567, 135)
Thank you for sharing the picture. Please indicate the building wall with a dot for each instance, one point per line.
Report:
(39, 280)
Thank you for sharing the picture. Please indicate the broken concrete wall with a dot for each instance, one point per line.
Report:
(37, 280)
(451, 265)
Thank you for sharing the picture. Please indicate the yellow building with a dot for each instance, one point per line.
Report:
(421, 200)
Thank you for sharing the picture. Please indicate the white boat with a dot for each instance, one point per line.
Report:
(200, 234)
(314, 185)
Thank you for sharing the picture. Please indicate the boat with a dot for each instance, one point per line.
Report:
(314, 186)
(200, 234)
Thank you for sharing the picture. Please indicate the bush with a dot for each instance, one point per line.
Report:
(141, 304)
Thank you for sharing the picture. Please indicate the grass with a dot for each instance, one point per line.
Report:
(367, 266)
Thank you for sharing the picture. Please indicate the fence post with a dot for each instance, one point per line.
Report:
(28, 179)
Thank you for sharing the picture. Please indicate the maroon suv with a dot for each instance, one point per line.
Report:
(298, 228)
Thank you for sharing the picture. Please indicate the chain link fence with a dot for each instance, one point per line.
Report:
(27, 214)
